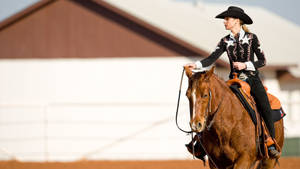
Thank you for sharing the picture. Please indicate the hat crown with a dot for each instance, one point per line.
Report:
(235, 8)
(235, 12)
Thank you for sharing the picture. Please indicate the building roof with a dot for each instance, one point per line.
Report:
(196, 25)
(165, 39)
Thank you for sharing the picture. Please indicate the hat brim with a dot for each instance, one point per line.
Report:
(235, 14)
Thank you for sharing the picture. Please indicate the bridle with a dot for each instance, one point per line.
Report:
(215, 112)
(208, 111)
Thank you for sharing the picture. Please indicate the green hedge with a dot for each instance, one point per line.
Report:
(291, 147)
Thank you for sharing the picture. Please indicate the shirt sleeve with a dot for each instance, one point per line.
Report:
(261, 60)
(249, 66)
(215, 54)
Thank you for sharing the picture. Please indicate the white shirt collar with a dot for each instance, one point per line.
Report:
(242, 34)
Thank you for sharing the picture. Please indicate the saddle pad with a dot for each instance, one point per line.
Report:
(277, 114)
(237, 92)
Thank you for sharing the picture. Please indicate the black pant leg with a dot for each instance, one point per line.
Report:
(259, 93)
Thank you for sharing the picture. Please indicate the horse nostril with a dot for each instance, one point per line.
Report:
(199, 125)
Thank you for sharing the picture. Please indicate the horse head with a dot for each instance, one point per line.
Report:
(199, 96)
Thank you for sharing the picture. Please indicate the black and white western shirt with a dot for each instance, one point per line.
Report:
(240, 49)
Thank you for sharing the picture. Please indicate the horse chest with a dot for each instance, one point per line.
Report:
(219, 149)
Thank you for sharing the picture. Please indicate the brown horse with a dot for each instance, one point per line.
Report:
(228, 134)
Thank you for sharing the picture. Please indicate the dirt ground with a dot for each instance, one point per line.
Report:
(285, 163)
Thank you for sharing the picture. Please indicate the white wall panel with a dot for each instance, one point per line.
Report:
(69, 109)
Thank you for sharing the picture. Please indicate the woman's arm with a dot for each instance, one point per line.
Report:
(261, 60)
(211, 58)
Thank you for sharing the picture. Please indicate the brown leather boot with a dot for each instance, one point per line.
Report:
(199, 152)
(273, 153)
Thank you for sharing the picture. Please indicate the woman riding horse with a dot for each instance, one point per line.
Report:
(240, 46)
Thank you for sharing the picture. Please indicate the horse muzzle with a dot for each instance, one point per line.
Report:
(197, 126)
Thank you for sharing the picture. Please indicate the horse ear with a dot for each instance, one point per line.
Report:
(209, 73)
(188, 71)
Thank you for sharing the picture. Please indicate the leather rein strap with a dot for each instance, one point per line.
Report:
(191, 132)
(178, 101)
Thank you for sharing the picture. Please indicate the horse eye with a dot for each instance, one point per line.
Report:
(204, 96)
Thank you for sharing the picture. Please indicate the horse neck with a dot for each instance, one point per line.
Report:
(223, 99)
(219, 91)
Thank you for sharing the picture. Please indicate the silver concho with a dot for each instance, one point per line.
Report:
(243, 76)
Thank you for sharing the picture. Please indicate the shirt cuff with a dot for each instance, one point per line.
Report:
(198, 65)
(250, 66)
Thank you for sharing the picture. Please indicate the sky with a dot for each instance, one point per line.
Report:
(9, 7)
(289, 9)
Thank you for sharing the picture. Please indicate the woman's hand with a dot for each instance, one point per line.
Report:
(239, 65)
(191, 66)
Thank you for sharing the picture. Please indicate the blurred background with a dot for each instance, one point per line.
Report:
(98, 80)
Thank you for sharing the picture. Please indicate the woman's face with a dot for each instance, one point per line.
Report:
(230, 23)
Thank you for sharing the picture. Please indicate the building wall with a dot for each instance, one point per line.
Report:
(70, 109)
(93, 108)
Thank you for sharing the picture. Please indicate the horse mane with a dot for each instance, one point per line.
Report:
(199, 77)
(221, 82)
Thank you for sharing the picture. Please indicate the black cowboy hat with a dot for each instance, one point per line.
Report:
(235, 12)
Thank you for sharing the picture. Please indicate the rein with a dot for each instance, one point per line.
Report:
(178, 101)
(208, 109)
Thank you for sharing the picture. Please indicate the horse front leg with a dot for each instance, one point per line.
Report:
(243, 162)
(266, 164)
